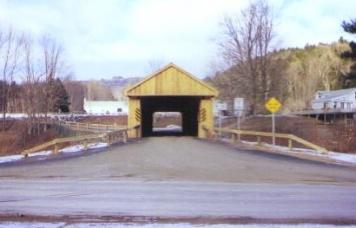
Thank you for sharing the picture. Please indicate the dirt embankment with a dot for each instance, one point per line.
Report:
(334, 136)
(15, 139)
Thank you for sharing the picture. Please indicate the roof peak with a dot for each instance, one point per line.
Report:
(181, 70)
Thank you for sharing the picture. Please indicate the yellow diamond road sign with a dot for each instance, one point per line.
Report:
(273, 105)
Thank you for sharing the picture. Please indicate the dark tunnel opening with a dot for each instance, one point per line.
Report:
(188, 106)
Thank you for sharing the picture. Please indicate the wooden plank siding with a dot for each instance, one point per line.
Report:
(171, 81)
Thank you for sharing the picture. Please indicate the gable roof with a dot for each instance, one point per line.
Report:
(171, 80)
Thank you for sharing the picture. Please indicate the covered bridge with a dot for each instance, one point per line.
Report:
(172, 89)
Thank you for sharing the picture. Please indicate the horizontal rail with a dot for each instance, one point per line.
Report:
(109, 137)
(290, 137)
(87, 126)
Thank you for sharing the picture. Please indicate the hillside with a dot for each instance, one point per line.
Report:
(296, 74)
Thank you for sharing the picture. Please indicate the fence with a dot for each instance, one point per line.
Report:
(236, 134)
(86, 126)
(112, 137)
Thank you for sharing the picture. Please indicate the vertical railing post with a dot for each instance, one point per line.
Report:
(259, 140)
(290, 144)
(233, 137)
(85, 144)
(55, 149)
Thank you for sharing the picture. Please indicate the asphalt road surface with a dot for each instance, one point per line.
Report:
(177, 199)
(180, 177)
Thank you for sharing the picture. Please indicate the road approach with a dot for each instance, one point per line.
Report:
(180, 177)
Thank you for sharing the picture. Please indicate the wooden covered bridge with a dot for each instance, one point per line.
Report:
(172, 89)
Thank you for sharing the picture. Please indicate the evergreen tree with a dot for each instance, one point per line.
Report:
(349, 79)
(349, 26)
(61, 103)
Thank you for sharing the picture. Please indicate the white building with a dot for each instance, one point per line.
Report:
(219, 107)
(105, 107)
(344, 99)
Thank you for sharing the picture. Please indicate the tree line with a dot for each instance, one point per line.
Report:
(30, 72)
(256, 70)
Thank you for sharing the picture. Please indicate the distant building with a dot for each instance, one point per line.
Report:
(344, 99)
(220, 107)
(105, 107)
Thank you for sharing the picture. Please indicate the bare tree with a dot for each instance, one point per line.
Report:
(52, 63)
(10, 45)
(246, 43)
(33, 93)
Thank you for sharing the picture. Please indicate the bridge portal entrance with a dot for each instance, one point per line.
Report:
(187, 106)
(171, 89)
(167, 123)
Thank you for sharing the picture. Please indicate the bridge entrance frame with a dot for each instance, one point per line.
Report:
(172, 89)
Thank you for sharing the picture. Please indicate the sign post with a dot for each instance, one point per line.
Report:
(239, 107)
(238, 114)
(220, 123)
(273, 105)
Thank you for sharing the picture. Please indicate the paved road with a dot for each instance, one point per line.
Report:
(184, 159)
(180, 177)
(177, 199)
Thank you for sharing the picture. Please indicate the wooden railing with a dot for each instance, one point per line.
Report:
(236, 134)
(112, 137)
(86, 126)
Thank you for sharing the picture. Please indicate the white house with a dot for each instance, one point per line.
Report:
(344, 99)
(105, 107)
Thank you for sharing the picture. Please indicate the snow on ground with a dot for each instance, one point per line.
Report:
(336, 156)
(170, 128)
(10, 158)
(16, 115)
(160, 225)
(43, 154)
(331, 155)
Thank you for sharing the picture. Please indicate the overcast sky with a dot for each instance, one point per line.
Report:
(105, 38)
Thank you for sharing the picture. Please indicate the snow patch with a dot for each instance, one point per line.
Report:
(69, 149)
(72, 149)
(41, 153)
(98, 145)
(10, 158)
(332, 155)
(78, 148)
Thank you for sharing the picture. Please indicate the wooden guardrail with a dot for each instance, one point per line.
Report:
(235, 135)
(86, 126)
(112, 137)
